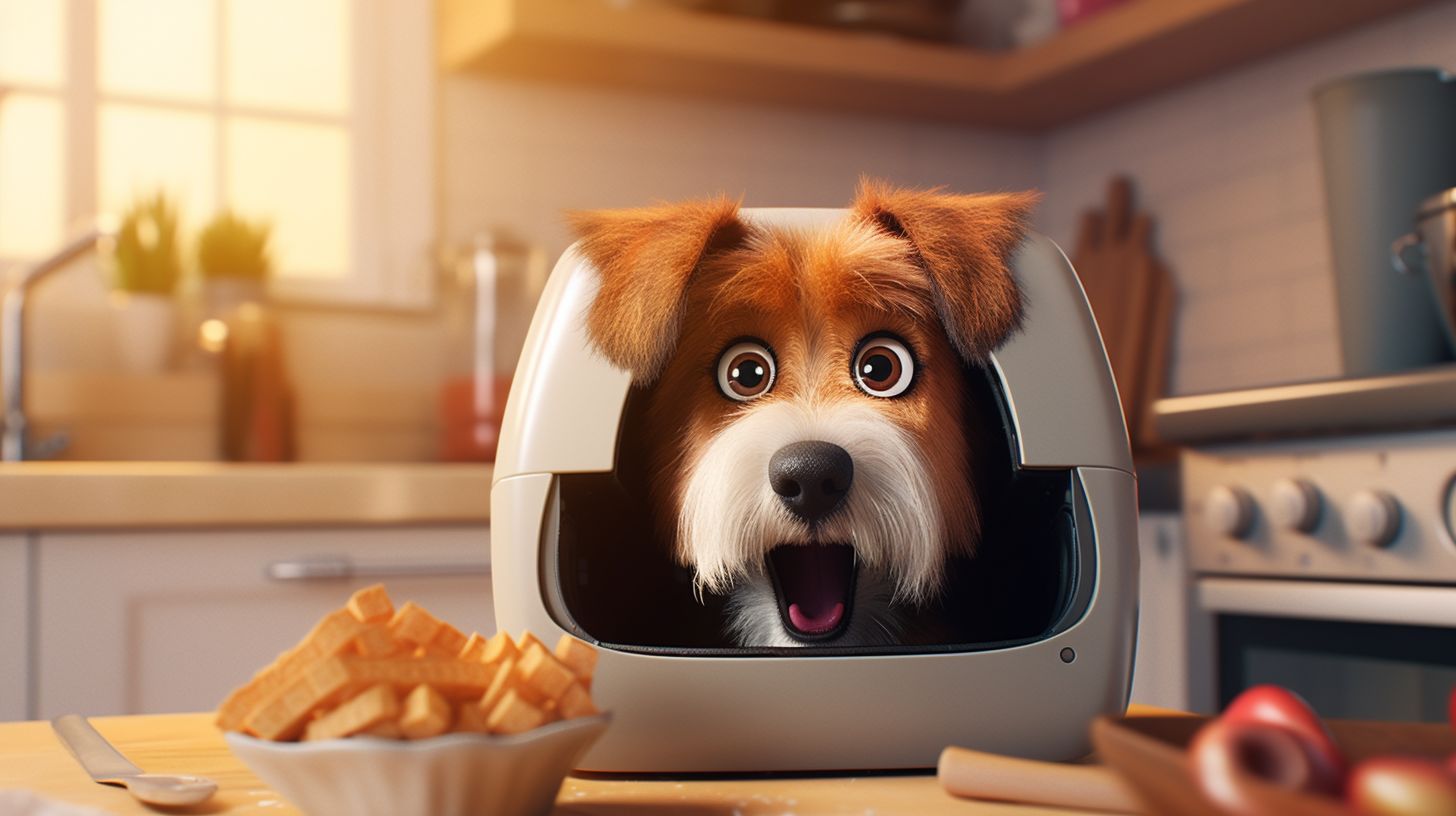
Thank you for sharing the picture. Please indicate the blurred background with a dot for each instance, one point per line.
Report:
(314, 231)
(379, 145)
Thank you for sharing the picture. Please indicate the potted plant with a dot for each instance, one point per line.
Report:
(148, 264)
(235, 261)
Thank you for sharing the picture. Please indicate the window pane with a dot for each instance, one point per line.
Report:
(164, 48)
(297, 177)
(32, 181)
(32, 44)
(142, 149)
(289, 54)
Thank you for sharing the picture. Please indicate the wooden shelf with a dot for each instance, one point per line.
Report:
(1126, 53)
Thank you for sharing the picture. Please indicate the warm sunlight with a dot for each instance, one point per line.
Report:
(142, 148)
(221, 105)
(302, 66)
(31, 38)
(298, 175)
(157, 48)
(31, 169)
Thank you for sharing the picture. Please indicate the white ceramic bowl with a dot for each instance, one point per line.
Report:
(450, 774)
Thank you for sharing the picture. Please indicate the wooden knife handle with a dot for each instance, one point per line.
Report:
(977, 775)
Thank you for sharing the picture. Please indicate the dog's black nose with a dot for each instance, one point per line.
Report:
(811, 478)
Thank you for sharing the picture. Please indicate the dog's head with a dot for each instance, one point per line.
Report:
(807, 387)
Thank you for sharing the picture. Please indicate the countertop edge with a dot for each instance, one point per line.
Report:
(110, 495)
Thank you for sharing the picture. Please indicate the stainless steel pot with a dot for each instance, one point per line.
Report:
(1432, 248)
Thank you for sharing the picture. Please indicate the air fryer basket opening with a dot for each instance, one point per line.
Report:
(609, 578)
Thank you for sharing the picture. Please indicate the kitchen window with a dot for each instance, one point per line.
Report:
(313, 115)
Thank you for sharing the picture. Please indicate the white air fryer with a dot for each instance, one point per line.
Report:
(1053, 594)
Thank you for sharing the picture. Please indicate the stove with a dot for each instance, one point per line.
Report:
(1320, 530)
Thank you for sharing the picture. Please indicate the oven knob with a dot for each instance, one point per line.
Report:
(1229, 511)
(1295, 505)
(1374, 518)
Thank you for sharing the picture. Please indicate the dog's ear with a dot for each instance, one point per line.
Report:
(964, 243)
(645, 257)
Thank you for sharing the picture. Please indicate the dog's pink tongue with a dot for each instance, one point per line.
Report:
(815, 624)
(815, 582)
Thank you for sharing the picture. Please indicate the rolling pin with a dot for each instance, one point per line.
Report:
(976, 775)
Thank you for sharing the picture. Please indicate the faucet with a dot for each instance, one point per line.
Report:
(14, 444)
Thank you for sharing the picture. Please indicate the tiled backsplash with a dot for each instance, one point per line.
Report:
(1230, 168)
(517, 154)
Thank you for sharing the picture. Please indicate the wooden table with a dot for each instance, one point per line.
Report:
(32, 758)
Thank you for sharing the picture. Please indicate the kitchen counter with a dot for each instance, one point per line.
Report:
(32, 758)
(91, 495)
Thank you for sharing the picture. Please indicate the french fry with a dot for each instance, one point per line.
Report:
(364, 710)
(376, 641)
(450, 677)
(413, 624)
(500, 683)
(283, 715)
(500, 648)
(513, 715)
(469, 717)
(578, 656)
(526, 640)
(449, 640)
(329, 636)
(373, 669)
(371, 605)
(575, 702)
(540, 670)
(386, 729)
(474, 648)
(426, 714)
(243, 699)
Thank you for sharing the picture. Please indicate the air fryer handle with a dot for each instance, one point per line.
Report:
(343, 568)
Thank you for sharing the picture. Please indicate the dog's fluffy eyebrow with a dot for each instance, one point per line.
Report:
(846, 266)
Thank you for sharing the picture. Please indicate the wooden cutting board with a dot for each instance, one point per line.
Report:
(1133, 299)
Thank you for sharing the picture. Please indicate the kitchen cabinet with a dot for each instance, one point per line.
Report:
(14, 623)
(172, 619)
(1125, 53)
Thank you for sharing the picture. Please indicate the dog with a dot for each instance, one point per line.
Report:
(806, 448)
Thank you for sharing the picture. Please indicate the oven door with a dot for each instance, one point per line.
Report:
(1354, 651)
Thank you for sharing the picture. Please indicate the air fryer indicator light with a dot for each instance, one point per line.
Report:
(1068, 655)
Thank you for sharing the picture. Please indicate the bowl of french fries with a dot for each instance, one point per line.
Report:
(385, 710)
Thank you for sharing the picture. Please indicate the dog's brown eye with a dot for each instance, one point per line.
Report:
(745, 371)
(883, 366)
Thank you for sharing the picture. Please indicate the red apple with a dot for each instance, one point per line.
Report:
(1224, 755)
(1402, 786)
(1272, 705)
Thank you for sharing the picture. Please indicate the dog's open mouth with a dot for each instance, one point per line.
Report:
(815, 587)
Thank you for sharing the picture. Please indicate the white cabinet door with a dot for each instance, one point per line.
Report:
(14, 623)
(146, 622)
(1174, 666)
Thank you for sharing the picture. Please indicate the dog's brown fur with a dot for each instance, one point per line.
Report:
(645, 257)
(679, 283)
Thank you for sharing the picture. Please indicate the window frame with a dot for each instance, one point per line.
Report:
(390, 126)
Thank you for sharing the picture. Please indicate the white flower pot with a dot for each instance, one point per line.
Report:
(146, 326)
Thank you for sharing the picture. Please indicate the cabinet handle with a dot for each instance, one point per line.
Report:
(338, 569)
